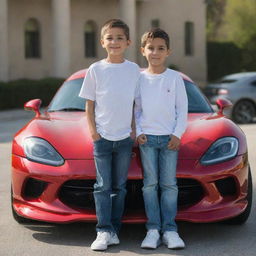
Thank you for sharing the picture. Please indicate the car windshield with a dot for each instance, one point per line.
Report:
(197, 102)
(67, 98)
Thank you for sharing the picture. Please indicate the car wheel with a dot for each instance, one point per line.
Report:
(243, 112)
(242, 218)
(17, 217)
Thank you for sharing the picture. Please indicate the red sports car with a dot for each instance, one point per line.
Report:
(53, 169)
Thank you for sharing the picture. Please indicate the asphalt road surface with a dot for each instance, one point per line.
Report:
(74, 239)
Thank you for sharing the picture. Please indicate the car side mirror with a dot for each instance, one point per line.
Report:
(223, 104)
(33, 105)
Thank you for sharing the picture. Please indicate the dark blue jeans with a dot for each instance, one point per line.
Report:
(112, 160)
(159, 170)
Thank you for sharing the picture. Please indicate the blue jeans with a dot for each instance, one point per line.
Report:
(112, 160)
(160, 191)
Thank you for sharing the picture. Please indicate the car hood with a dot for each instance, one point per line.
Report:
(68, 133)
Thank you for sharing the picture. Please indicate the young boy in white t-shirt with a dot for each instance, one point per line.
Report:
(161, 117)
(109, 89)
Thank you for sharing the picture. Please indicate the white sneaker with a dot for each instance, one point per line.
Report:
(173, 240)
(152, 240)
(114, 239)
(103, 240)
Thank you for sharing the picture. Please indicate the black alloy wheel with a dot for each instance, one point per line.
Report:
(243, 112)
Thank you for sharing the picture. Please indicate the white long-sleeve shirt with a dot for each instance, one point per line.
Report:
(162, 106)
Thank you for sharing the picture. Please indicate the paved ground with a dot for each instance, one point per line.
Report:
(75, 239)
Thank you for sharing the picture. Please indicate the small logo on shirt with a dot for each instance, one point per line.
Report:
(168, 90)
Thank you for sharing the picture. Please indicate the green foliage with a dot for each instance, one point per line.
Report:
(15, 93)
(234, 21)
(215, 16)
(240, 21)
(249, 55)
(223, 58)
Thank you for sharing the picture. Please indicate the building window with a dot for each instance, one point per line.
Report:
(189, 38)
(90, 39)
(32, 39)
(155, 23)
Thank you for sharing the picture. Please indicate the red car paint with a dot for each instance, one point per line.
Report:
(68, 133)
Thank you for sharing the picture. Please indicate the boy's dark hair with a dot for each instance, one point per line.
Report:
(155, 33)
(115, 23)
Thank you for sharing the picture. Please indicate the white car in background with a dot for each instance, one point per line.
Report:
(240, 89)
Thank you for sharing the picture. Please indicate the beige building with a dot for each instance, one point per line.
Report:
(54, 38)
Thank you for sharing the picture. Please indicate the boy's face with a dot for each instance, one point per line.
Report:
(155, 51)
(115, 41)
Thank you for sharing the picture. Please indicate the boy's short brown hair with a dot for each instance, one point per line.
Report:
(115, 23)
(155, 33)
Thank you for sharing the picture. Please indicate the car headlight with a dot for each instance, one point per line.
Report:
(221, 150)
(39, 150)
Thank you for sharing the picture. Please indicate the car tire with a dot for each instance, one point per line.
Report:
(18, 218)
(242, 218)
(243, 112)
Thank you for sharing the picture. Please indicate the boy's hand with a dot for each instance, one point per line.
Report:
(96, 136)
(174, 143)
(133, 135)
(142, 139)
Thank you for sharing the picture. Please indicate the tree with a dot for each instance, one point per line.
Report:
(240, 22)
(240, 27)
(231, 22)
(215, 16)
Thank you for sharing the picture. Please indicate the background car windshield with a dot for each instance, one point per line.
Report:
(67, 98)
(228, 81)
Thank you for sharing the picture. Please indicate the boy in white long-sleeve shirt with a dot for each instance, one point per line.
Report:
(161, 119)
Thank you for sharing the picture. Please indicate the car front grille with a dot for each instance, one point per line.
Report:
(79, 194)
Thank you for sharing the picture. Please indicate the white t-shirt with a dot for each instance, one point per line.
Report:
(113, 88)
(162, 105)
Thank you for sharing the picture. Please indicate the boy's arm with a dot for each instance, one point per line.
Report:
(90, 115)
(181, 106)
(133, 133)
(137, 113)
(88, 92)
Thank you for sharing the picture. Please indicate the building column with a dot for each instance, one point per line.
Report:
(4, 56)
(61, 37)
(127, 13)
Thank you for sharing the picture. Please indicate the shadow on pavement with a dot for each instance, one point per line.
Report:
(195, 236)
